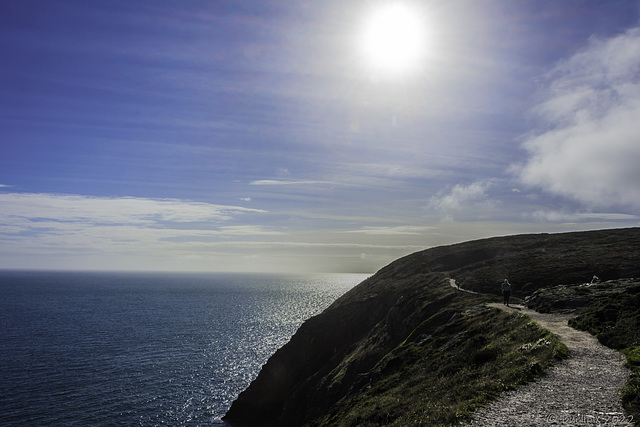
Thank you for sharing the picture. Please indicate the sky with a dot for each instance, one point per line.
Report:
(242, 135)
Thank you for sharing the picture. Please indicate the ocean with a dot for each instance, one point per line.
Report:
(147, 349)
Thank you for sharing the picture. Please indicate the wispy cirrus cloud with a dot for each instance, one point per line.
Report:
(290, 182)
(106, 210)
(560, 216)
(394, 230)
(587, 146)
(59, 231)
(57, 223)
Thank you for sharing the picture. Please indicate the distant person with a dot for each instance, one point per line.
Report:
(506, 291)
(595, 279)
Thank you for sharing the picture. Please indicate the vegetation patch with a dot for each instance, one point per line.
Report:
(442, 372)
(631, 391)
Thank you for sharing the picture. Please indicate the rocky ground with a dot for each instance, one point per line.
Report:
(580, 391)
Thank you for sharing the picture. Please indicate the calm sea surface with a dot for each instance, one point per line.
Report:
(143, 349)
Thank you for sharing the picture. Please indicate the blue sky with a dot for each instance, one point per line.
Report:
(254, 136)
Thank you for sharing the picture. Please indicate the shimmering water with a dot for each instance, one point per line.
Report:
(143, 349)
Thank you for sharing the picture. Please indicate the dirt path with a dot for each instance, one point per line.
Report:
(579, 391)
(454, 285)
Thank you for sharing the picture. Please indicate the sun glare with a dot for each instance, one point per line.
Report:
(393, 38)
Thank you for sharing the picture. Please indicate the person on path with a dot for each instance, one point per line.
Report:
(506, 291)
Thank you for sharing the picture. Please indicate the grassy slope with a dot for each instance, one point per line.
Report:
(457, 359)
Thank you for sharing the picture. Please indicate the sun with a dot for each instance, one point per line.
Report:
(392, 38)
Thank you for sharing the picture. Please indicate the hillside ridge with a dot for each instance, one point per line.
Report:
(375, 345)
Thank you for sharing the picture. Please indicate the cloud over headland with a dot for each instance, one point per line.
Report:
(587, 146)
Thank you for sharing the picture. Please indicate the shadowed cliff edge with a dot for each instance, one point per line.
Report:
(405, 347)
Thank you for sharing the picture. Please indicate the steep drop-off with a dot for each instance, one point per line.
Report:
(403, 340)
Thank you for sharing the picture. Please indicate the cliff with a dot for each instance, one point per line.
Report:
(403, 344)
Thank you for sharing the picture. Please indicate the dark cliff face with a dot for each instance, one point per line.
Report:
(332, 355)
(290, 388)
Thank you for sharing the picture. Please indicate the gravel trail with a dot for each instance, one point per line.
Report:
(579, 391)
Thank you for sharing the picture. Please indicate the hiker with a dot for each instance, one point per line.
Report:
(506, 291)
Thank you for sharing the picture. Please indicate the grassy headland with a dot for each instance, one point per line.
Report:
(405, 348)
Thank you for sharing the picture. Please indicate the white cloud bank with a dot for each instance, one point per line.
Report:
(589, 145)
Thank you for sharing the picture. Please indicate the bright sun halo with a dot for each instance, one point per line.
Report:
(393, 38)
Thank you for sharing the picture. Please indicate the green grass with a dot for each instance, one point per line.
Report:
(443, 371)
(631, 391)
